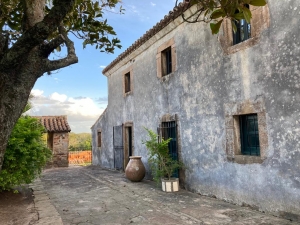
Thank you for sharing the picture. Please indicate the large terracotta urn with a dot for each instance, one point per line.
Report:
(135, 169)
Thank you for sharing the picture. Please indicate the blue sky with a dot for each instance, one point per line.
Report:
(80, 91)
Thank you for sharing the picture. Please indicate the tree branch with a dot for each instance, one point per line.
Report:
(46, 49)
(36, 35)
(71, 58)
(69, 43)
(58, 64)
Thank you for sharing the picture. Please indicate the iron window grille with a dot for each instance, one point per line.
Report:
(249, 135)
(243, 31)
(169, 130)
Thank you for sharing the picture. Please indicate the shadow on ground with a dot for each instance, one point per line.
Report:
(17, 208)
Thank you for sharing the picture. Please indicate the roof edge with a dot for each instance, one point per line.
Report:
(176, 12)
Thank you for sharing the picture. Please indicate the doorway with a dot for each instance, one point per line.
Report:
(128, 142)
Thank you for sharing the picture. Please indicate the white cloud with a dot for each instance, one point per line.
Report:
(153, 4)
(102, 66)
(58, 97)
(82, 112)
(37, 92)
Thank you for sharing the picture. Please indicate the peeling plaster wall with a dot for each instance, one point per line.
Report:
(204, 82)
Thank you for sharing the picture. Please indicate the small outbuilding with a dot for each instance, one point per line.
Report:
(57, 138)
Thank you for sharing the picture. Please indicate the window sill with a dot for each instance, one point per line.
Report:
(167, 77)
(241, 46)
(246, 159)
(127, 93)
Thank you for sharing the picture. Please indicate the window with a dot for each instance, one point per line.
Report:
(249, 135)
(99, 139)
(127, 82)
(166, 58)
(246, 132)
(243, 31)
(169, 130)
(166, 61)
(247, 35)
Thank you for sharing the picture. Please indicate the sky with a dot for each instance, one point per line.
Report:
(80, 90)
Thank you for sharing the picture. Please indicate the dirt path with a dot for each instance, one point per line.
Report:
(17, 209)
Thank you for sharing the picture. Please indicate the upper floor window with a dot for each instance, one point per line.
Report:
(166, 61)
(166, 58)
(243, 31)
(127, 82)
(247, 34)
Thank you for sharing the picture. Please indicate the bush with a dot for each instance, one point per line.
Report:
(26, 154)
(160, 160)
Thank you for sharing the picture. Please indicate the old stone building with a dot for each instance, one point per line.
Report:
(231, 103)
(57, 139)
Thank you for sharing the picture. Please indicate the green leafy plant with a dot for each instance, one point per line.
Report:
(26, 154)
(215, 11)
(161, 162)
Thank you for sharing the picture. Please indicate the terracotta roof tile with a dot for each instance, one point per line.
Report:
(55, 123)
(177, 11)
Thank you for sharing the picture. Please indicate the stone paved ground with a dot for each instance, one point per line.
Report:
(91, 195)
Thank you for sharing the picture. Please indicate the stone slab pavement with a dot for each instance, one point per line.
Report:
(91, 196)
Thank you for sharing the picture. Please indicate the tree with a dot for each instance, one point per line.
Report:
(79, 142)
(26, 154)
(215, 11)
(30, 31)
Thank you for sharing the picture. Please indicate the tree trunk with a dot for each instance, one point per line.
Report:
(34, 13)
(16, 84)
(15, 89)
(27, 59)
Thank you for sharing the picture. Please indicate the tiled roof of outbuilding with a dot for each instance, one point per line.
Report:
(177, 11)
(55, 123)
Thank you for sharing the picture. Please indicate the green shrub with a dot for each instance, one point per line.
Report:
(160, 160)
(26, 154)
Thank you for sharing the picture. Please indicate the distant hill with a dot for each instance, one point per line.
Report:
(81, 141)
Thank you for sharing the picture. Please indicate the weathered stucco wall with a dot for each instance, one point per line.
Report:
(207, 87)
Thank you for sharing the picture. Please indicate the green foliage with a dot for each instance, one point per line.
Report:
(160, 160)
(85, 21)
(26, 154)
(215, 11)
(78, 142)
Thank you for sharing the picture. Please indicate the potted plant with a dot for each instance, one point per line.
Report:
(161, 162)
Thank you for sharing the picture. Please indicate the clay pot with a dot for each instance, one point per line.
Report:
(135, 169)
